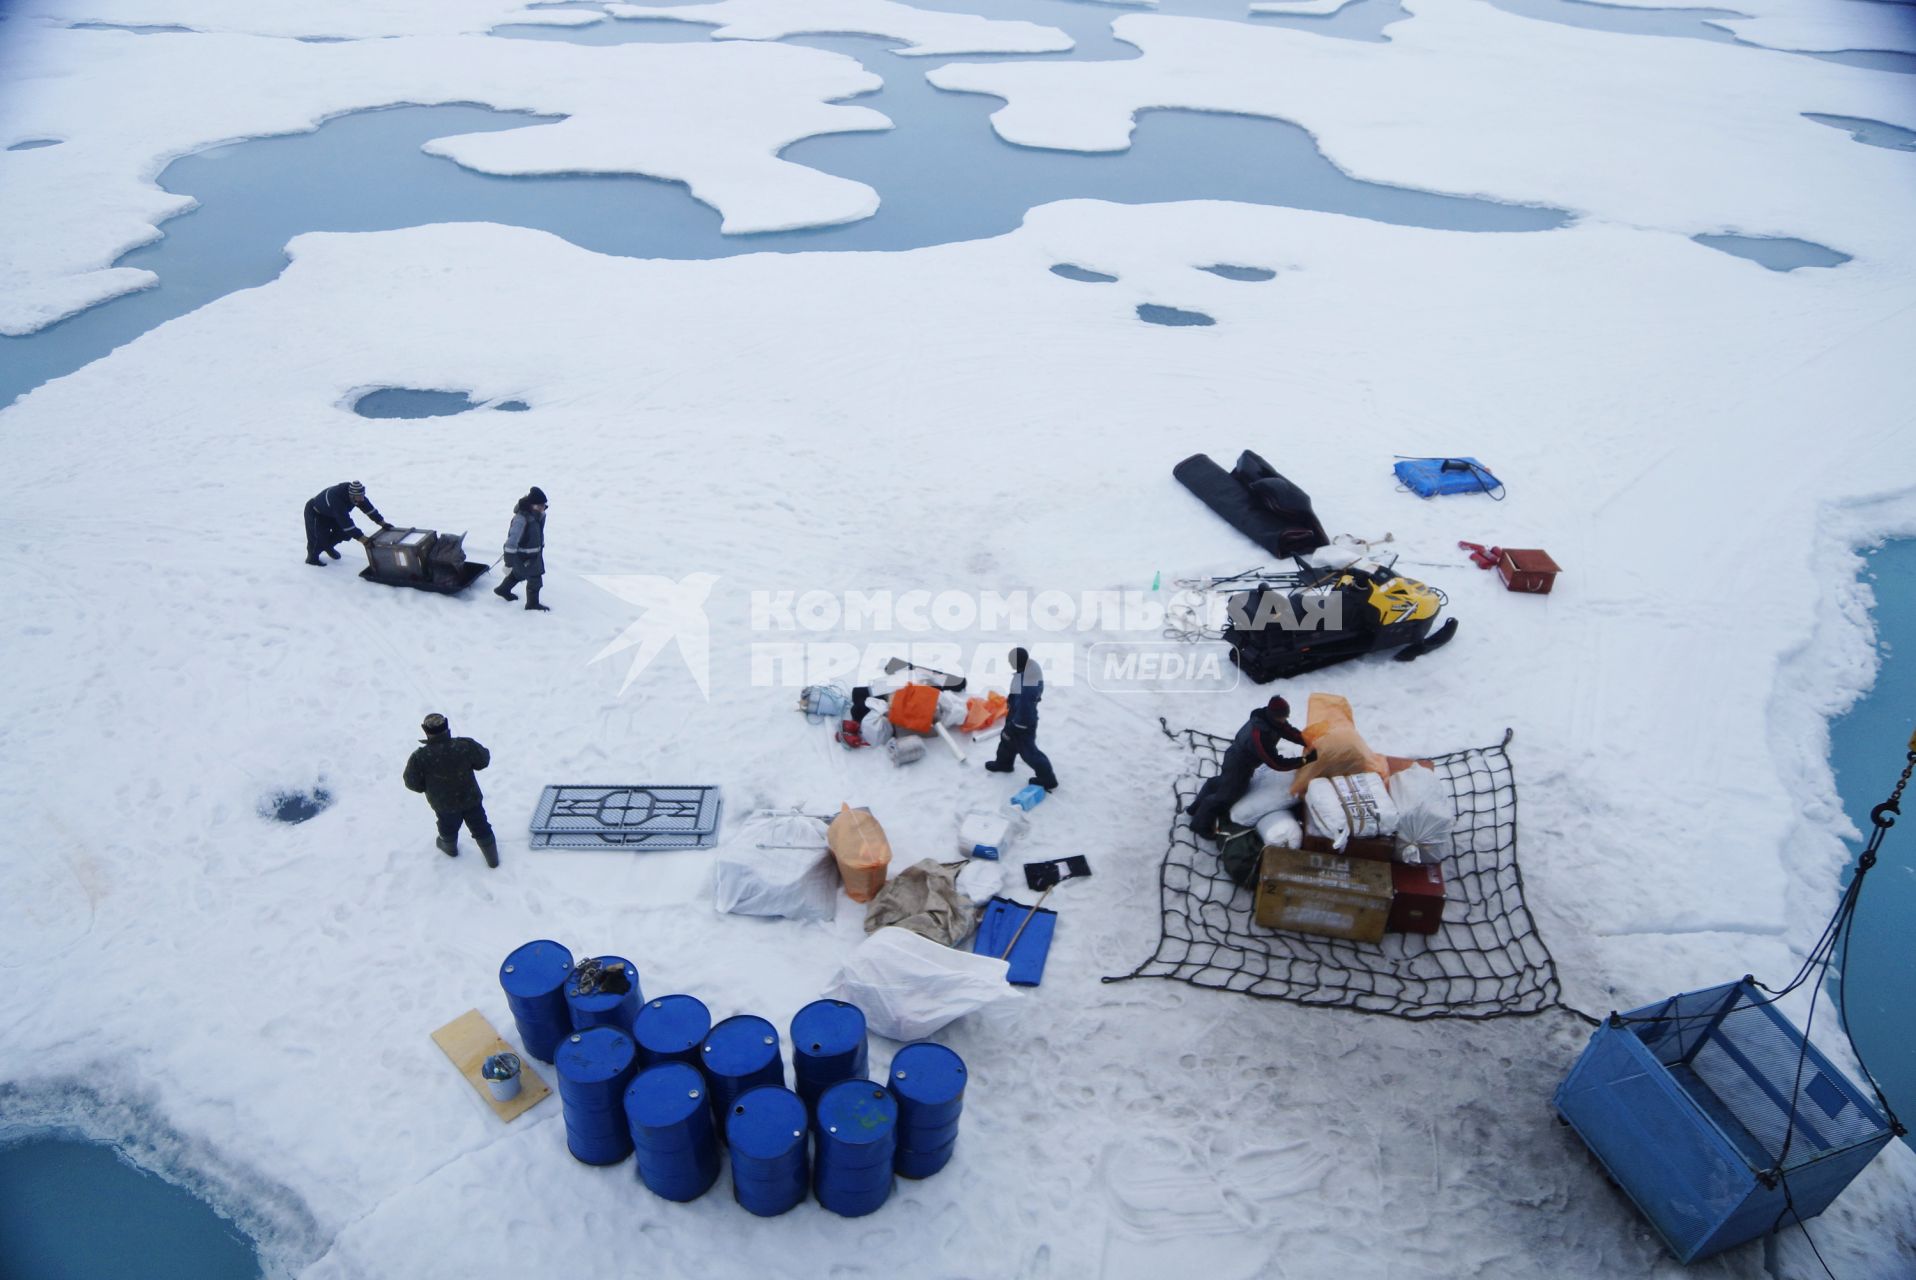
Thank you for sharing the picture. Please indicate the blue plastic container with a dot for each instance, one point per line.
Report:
(740, 1053)
(671, 1029)
(765, 1129)
(928, 1082)
(1688, 1103)
(594, 1067)
(672, 1132)
(828, 1045)
(857, 1142)
(604, 1008)
(534, 978)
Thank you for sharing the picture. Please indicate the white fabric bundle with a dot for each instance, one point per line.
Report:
(1426, 814)
(910, 987)
(795, 877)
(1281, 829)
(1269, 791)
(988, 833)
(875, 728)
(1358, 805)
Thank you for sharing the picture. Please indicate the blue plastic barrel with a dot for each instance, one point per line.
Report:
(604, 1008)
(671, 1029)
(740, 1053)
(672, 1132)
(928, 1081)
(857, 1139)
(534, 977)
(595, 1066)
(828, 1045)
(765, 1128)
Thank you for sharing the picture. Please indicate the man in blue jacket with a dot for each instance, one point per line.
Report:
(329, 519)
(1020, 737)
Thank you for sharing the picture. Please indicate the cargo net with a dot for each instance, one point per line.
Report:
(1485, 961)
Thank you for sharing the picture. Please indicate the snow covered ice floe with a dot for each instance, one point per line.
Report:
(337, 19)
(713, 116)
(1469, 100)
(923, 31)
(1627, 383)
(1674, 424)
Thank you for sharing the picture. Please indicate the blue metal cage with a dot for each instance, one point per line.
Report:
(1687, 1104)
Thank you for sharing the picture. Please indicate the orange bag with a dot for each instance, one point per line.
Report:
(1331, 732)
(914, 708)
(982, 713)
(860, 848)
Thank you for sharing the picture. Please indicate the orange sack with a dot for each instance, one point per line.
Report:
(1331, 731)
(982, 713)
(914, 709)
(863, 854)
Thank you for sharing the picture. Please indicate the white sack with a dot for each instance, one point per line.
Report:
(875, 728)
(1281, 829)
(982, 880)
(1358, 805)
(1269, 791)
(952, 709)
(1426, 814)
(798, 882)
(909, 987)
(990, 833)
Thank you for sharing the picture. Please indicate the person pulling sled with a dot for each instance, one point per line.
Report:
(526, 550)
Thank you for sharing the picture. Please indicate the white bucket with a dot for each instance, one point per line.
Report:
(501, 1072)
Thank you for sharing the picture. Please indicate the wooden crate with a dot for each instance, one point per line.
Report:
(1325, 894)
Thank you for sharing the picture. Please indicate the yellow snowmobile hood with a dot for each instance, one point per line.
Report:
(1400, 600)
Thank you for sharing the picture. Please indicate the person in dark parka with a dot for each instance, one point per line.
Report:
(526, 549)
(1020, 736)
(442, 768)
(329, 519)
(1255, 745)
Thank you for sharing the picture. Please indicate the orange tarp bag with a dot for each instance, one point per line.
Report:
(914, 708)
(982, 713)
(860, 848)
(1331, 731)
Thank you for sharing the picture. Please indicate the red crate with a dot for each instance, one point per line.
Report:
(1417, 898)
(1531, 571)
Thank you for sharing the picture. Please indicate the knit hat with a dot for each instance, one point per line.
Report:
(1019, 659)
(435, 725)
(536, 495)
(355, 488)
(1279, 708)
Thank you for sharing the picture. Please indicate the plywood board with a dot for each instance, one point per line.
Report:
(469, 1040)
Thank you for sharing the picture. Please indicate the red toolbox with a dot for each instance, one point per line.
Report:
(1532, 571)
(1417, 898)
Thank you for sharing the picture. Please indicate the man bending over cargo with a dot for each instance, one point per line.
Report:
(329, 519)
(1255, 744)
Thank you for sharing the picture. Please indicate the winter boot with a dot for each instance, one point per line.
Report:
(505, 592)
(448, 847)
(490, 847)
(316, 562)
(992, 766)
(532, 599)
(1036, 781)
(333, 552)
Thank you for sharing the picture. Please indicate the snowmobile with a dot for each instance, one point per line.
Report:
(1297, 622)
